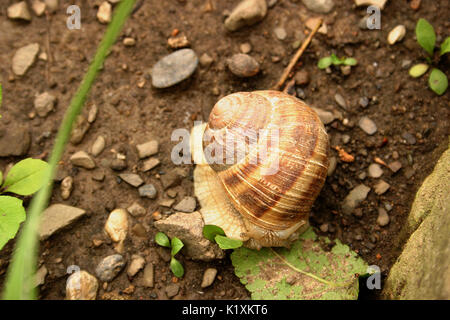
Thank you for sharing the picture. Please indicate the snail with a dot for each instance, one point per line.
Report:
(252, 200)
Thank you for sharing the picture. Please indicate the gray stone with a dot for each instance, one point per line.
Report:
(24, 58)
(319, 6)
(340, 100)
(14, 142)
(149, 164)
(188, 204)
(246, 13)
(243, 65)
(57, 217)
(208, 277)
(410, 139)
(98, 146)
(148, 191)
(375, 170)
(326, 117)
(110, 267)
(136, 264)
(367, 125)
(383, 217)
(363, 102)
(19, 11)
(136, 210)
(81, 286)
(381, 187)
(280, 33)
(354, 198)
(147, 149)
(83, 160)
(174, 68)
(172, 289)
(132, 179)
(395, 166)
(44, 104)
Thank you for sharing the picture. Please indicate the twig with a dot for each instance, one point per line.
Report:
(297, 56)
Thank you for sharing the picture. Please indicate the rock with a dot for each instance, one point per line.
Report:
(311, 24)
(324, 227)
(92, 115)
(280, 33)
(81, 286)
(363, 102)
(83, 160)
(66, 187)
(118, 164)
(132, 179)
(136, 210)
(354, 198)
(206, 60)
(188, 227)
(243, 65)
(171, 179)
(147, 149)
(20, 11)
(208, 277)
(172, 290)
(44, 104)
(410, 139)
(188, 204)
(166, 203)
(383, 217)
(319, 6)
(52, 5)
(148, 191)
(326, 117)
(381, 187)
(104, 12)
(139, 230)
(14, 142)
(79, 130)
(395, 166)
(110, 267)
(24, 58)
(379, 3)
(245, 47)
(367, 125)
(301, 78)
(57, 217)
(172, 193)
(178, 42)
(38, 7)
(117, 227)
(332, 166)
(136, 264)
(40, 276)
(174, 68)
(246, 13)
(98, 146)
(346, 70)
(129, 42)
(340, 101)
(148, 280)
(149, 164)
(397, 34)
(375, 170)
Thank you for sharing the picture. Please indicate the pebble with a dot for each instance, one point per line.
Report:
(208, 277)
(245, 47)
(280, 33)
(340, 100)
(188, 204)
(246, 13)
(243, 65)
(92, 115)
(129, 42)
(395, 166)
(174, 68)
(171, 179)
(301, 78)
(345, 138)
(148, 280)
(66, 187)
(44, 104)
(38, 7)
(326, 117)
(332, 166)
(381, 187)
(110, 267)
(406, 63)
(117, 227)
(40, 276)
(346, 70)
(363, 102)
(367, 125)
(383, 217)
(375, 170)
(83, 160)
(51, 5)
(178, 42)
(354, 198)
(98, 146)
(206, 60)
(324, 227)
(132, 179)
(104, 12)
(136, 264)
(139, 230)
(79, 131)
(150, 164)
(20, 11)
(172, 193)
(57, 217)
(379, 3)
(24, 58)
(14, 142)
(166, 203)
(173, 288)
(410, 139)
(136, 210)
(148, 191)
(81, 286)
(311, 24)
(319, 6)
(397, 34)
(118, 164)
(147, 149)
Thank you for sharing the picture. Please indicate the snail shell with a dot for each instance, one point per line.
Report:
(251, 199)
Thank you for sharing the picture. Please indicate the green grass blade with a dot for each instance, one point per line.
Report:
(20, 276)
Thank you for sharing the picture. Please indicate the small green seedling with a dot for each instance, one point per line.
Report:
(216, 234)
(175, 246)
(334, 60)
(426, 37)
(24, 179)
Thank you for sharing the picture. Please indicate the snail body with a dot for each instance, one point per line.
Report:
(263, 200)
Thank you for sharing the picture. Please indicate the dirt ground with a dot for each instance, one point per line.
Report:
(130, 114)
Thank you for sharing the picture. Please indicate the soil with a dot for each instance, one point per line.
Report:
(129, 115)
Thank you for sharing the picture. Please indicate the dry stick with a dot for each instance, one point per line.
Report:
(297, 56)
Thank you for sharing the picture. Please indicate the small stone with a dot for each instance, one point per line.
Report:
(24, 58)
(397, 34)
(362, 175)
(395, 166)
(14, 142)
(129, 42)
(246, 13)
(410, 139)
(57, 217)
(243, 65)
(319, 6)
(383, 217)
(381, 187)
(324, 227)
(340, 101)
(174, 68)
(245, 47)
(147, 149)
(178, 42)
(148, 191)
(363, 102)
(118, 164)
(92, 115)
(136, 210)
(83, 160)
(332, 166)
(311, 24)
(172, 193)
(188, 204)
(66, 187)
(346, 70)
(345, 138)
(367, 125)
(117, 227)
(98, 146)
(150, 164)
(172, 290)
(148, 280)
(208, 277)
(38, 7)
(354, 198)
(166, 203)
(79, 131)
(375, 170)
(406, 63)
(171, 179)
(104, 12)
(326, 117)
(40, 276)
(110, 267)
(301, 78)
(271, 3)
(379, 3)
(136, 264)
(81, 286)
(206, 60)
(51, 5)
(19, 11)
(132, 179)
(280, 33)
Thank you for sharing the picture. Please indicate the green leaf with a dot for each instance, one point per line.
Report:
(335, 60)
(12, 214)
(418, 70)
(210, 231)
(324, 63)
(304, 272)
(177, 244)
(162, 240)
(176, 267)
(26, 177)
(350, 62)
(227, 243)
(438, 81)
(445, 46)
(425, 35)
